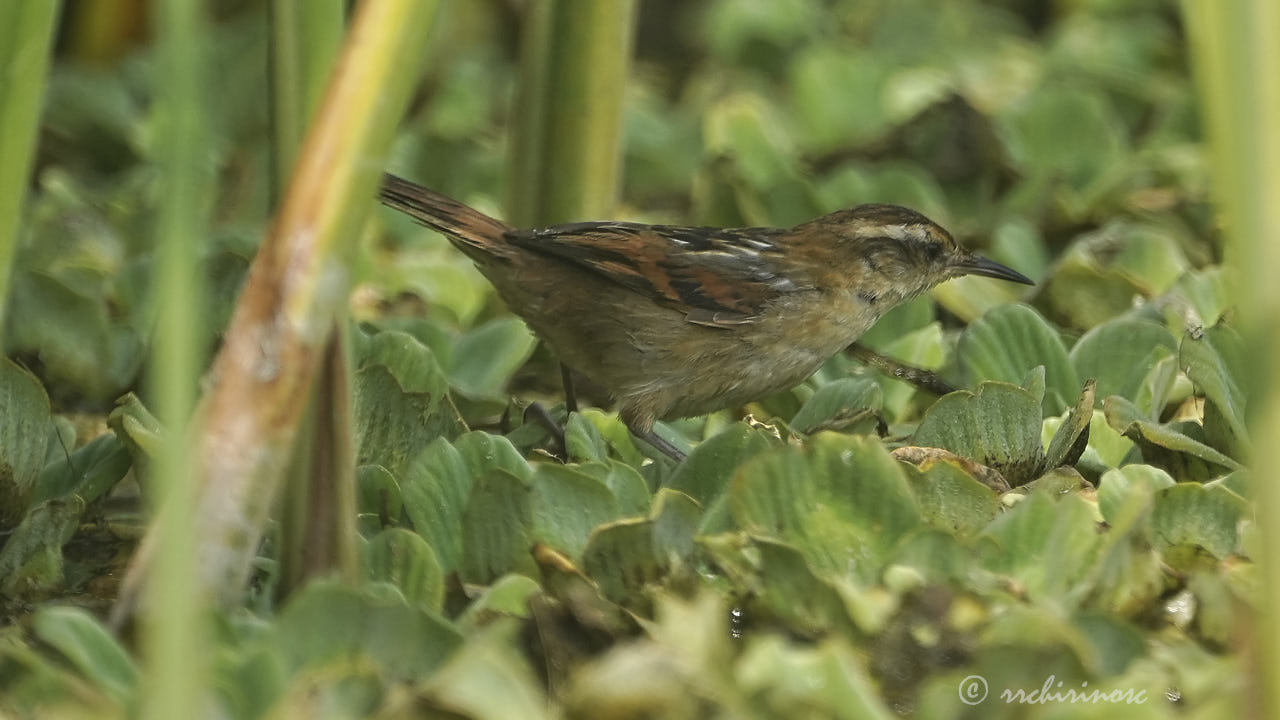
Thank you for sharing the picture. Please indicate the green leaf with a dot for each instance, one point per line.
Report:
(1158, 386)
(1214, 360)
(489, 678)
(1107, 448)
(1047, 544)
(625, 556)
(1069, 441)
(404, 559)
(850, 117)
(626, 484)
(1149, 255)
(746, 128)
(734, 29)
(675, 521)
(1193, 515)
(583, 441)
(1120, 488)
(251, 681)
(82, 640)
(909, 92)
(508, 595)
(68, 331)
(405, 642)
(497, 528)
(1059, 481)
(90, 471)
(998, 426)
(1007, 342)
(1067, 132)
(486, 357)
(1083, 290)
(136, 427)
(620, 557)
(1116, 643)
(837, 404)
(929, 556)
(827, 679)
(401, 400)
(798, 595)
(1027, 640)
(1154, 437)
(1034, 383)
(708, 469)
(31, 564)
(567, 505)
(718, 517)
(24, 435)
(951, 499)
(378, 492)
(616, 435)
(999, 75)
(843, 503)
(1217, 608)
(1200, 298)
(435, 488)
(1121, 354)
(1131, 575)
(483, 452)
(63, 436)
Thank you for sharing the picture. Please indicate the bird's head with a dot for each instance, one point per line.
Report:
(889, 250)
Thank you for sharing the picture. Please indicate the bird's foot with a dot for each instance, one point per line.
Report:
(570, 395)
(659, 443)
(538, 414)
(926, 380)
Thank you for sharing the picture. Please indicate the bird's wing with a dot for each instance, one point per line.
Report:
(717, 277)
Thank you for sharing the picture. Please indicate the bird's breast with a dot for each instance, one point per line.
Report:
(826, 323)
(783, 348)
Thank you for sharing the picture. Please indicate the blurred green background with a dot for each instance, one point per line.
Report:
(757, 579)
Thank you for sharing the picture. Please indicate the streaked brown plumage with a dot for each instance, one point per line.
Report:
(681, 321)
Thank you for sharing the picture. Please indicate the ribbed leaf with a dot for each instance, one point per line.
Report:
(1006, 343)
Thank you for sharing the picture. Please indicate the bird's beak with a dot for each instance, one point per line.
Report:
(977, 265)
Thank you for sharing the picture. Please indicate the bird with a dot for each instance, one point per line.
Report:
(678, 321)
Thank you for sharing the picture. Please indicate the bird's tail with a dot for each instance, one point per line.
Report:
(473, 232)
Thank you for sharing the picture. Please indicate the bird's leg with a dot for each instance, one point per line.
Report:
(539, 415)
(658, 442)
(925, 380)
(570, 397)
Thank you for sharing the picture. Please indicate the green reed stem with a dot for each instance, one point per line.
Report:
(566, 151)
(1236, 56)
(174, 618)
(305, 38)
(317, 522)
(296, 288)
(26, 34)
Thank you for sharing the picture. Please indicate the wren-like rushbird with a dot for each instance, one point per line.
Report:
(681, 321)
